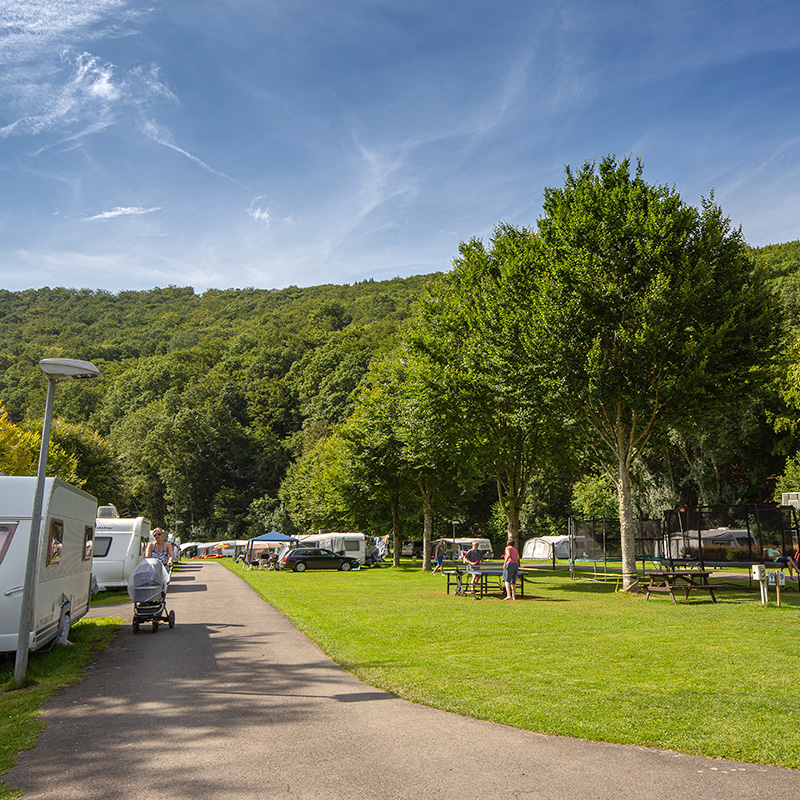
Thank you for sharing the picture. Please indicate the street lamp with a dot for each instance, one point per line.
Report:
(56, 369)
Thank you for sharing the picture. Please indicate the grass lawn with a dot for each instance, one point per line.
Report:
(572, 658)
(47, 672)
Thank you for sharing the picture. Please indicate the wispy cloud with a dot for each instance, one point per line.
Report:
(155, 132)
(52, 83)
(259, 211)
(130, 211)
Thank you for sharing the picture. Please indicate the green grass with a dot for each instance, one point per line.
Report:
(110, 597)
(574, 659)
(47, 672)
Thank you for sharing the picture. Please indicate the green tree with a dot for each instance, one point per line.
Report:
(19, 453)
(97, 466)
(379, 475)
(648, 313)
(469, 329)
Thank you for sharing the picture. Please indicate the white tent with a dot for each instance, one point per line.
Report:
(542, 548)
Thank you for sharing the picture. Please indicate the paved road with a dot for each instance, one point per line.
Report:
(235, 703)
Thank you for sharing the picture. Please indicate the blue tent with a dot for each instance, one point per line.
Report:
(272, 536)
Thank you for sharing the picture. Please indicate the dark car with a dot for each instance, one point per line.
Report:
(302, 558)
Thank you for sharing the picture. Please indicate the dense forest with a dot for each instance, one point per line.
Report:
(204, 399)
(237, 411)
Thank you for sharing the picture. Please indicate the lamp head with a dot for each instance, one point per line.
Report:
(68, 369)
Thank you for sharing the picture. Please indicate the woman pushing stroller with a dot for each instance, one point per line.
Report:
(160, 550)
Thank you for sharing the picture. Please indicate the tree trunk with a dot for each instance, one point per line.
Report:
(512, 513)
(397, 539)
(630, 575)
(427, 527)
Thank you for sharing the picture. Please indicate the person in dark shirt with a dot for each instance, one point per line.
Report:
(473, 558)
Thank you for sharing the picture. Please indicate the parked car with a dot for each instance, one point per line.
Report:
(302, 558)
(413, 549)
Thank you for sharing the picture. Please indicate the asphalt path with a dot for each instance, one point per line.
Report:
(235, 703)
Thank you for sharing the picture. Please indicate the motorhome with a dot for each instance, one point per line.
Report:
(346, 544)
(64, 568)
(455, 548)
(119, 546)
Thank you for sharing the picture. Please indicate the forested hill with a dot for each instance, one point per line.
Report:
(205, 399)
(115, 331)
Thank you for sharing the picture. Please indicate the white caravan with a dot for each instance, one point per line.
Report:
(345, 544)
(119, 547)
(64, 570)
(461, 547)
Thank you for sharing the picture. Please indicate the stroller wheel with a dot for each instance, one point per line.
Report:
(155, 625)
(171, 619)
(135, 626)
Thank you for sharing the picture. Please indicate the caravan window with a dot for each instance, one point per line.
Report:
(351, 544)
(88, 537)
(142, 546)
(102, 544)
(55, 542)
(6, 534)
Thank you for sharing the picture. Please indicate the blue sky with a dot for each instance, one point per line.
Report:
(299, 142)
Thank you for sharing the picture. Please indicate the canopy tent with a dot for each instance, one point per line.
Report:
(273, 537)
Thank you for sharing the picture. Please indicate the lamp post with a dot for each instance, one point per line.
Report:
(56, 369)
(175, 544)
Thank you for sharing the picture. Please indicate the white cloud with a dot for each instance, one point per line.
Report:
(122, 212)
(51, 82)
(258, 210)
(155, 132)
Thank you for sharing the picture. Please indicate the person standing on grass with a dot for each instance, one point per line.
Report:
(510, 570)
(473, 558)
(438, 557)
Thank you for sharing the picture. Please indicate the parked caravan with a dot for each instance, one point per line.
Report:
(345, 544)
(461, 547)
(64, 560)
(119, 547)
(678, 544)
(545, 548)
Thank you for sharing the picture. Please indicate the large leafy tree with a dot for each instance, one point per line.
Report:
(469, 329)
(647, 312)
(380, 475)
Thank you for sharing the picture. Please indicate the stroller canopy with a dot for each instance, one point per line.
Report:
(148, 581)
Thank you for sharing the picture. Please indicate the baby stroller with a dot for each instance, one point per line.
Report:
(147, 587)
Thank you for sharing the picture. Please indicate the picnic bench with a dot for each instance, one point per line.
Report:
(684, 581)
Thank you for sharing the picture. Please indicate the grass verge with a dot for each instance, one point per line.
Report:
(48, 671)
(573, 659)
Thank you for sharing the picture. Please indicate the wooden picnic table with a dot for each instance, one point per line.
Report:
(682, 581)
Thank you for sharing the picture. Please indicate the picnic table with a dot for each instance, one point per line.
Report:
(681, 581)
(491, 580)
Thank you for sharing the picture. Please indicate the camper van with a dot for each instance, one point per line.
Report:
(64, 559)
(346, 544)
(455, 548)
(119, 546)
